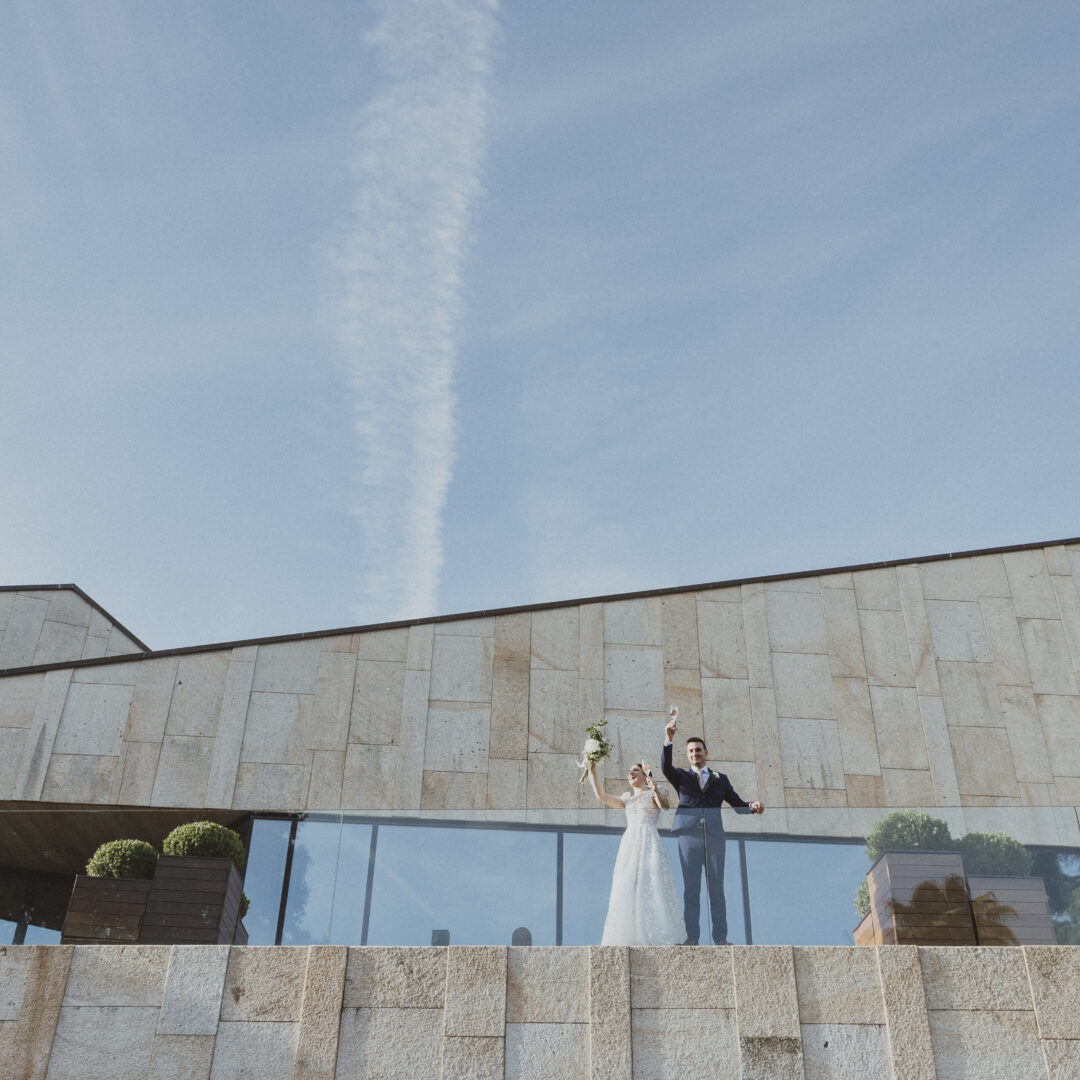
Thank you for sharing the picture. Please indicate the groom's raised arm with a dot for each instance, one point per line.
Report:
(667, 768)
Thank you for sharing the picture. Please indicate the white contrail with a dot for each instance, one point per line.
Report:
(418, 172)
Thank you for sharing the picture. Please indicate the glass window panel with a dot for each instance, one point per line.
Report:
(40, 935)
(802, 892)
(479, 884)
(311, 882)
(263, 877)
(7, 931)
(736, 932)
(588, 862)
(348, 916)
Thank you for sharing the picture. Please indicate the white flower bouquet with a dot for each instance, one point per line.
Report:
(596, 748)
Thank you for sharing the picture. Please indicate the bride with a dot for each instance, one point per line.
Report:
(644, 907)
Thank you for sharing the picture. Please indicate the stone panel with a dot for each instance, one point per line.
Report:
(19, 642)
(461, 668)
(554, 639)
(756, 629)
(1026, 739)
(320, 1013)
(948, 579)
(983, 761)
(332, 705)
(272, 734)
(721, 640)
(473, 1057)
(660, 978)
(39, 743)
(80, 778)
(454, 791)
(610, 1026)
(1062, 1058)
(183, 771)
(181, 1057)
(551, 782)
(877, 589)
(395, 978)
(1054, 977)
(1001, 1045)
(804, 686)
(263, 984)
(855, 722)
(838, 985)
(288, 667)
(899, 727)
(377, 702)
(767, 744)
(1048, 657)
(18, 699)
(975, 978)
(591, 641)
(1006, 646)
(969, 693)
(457, 737)
(766, 999)
(194, 982)
(1030, 585)
(253, 1049)
(475, 991)
(845, 1052)
(93, 720)
(691, 1044)
(150, 700)
(512, 637)
(957, 631)
(907, 1024)
(908, 787)
(678, 615)
(390, 1044)
(1060, 720)
(547, 986)
(420, 647)
(885, 646)
(633, 622)
(116, 975)
(554, 725)
(507, 784)
(810, 753)
(796, 622)
(195, 704)
(728, 721)
(327, 778)
(545, 1052)
(261, 787)
(510, 709)
(372, 778)
(634, 678)
(103, 1043)
(989, 574)
(920, 643)
(382, 644)
(843, 634)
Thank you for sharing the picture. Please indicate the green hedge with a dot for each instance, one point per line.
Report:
(123, 859)
(994, 853)
(205, 838)
(907, 829)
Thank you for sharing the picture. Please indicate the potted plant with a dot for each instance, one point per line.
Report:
(196, 895)
(108, 902)
(1009, 905)
(914, 892)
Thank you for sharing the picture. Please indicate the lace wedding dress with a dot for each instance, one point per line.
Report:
(644, 907)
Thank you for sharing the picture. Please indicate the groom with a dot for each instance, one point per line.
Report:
(700, 832)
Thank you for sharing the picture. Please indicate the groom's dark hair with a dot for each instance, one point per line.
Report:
(697, 738)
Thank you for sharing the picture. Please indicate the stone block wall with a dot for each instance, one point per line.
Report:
(776, 1012)
(947, 683)
(54, 625)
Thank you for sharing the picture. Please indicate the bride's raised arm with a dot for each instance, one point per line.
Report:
(658, 796)
(603, 796)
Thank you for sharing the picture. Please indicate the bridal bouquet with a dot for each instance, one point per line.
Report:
(596, 748)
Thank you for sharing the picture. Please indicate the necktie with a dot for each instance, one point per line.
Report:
(701, 779)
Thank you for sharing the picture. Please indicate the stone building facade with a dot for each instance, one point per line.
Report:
(950, 684)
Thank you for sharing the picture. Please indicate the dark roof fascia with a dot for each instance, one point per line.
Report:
(547, 606)
(85, 596)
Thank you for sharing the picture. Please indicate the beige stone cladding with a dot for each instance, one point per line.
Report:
(326, 1012)
(948, 683)
(55, 625)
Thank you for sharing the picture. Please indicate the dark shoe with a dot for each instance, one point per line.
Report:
(689, 942)
(721, 942)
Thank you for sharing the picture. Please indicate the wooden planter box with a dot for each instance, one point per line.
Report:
(917, 898)
(193, 900)
(105, 910)
(1011, 911)
(190, 900)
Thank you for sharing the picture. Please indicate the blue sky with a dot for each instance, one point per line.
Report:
(313, 317)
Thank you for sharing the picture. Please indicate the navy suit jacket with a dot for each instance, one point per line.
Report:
(695, 800)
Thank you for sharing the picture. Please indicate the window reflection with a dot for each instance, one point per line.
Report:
(311, 883)
(263, 878)
(479, 884)
(800, 891)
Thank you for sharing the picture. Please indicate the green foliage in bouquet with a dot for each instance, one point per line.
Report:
(994, 853)
(123, 859)
(205, 838)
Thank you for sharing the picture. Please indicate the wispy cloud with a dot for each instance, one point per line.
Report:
(417, 170)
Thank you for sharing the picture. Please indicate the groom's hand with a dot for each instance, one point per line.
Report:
(757, 807)
(672, 724)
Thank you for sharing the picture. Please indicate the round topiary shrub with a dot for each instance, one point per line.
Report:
(994, 853)
(123, 859)
(245, 903)
(906, 829)
(205, 838)
(862, 898)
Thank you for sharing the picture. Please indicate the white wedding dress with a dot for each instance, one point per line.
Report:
(644, 907)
